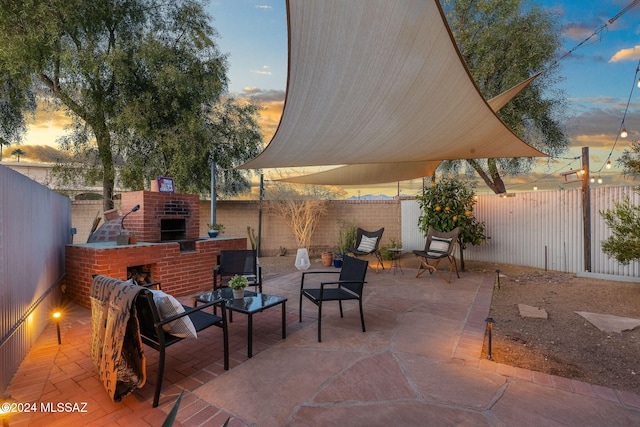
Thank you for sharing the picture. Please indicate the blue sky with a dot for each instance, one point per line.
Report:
(597, 79)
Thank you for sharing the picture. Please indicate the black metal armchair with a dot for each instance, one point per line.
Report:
(240, 262)
(368, 243)
(153, 334)
(349, 286)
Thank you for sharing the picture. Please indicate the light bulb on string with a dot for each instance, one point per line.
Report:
(639, 83)
(599, 180)
(593, 179)
(608, 164)
(624, 133)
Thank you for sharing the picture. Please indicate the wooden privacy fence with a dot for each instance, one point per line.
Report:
(542, 229)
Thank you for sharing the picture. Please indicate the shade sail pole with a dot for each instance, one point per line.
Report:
(214, 194)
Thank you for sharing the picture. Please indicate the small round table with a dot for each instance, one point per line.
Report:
(395, 259)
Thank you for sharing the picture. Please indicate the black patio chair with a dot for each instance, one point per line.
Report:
(154, 335)
(349, 286)
(241, 263)
(367, 244)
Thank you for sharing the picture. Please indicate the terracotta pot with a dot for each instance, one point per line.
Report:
(327, 259)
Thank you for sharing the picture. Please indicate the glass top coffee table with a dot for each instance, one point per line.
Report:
(251, 303)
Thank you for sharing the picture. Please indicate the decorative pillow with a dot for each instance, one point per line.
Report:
(439, 245)
(367, 244)
(168, 306)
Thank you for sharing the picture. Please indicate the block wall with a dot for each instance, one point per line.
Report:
(237, 215)
(368, 214)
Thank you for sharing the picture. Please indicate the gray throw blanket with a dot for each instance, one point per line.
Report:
(116, 346)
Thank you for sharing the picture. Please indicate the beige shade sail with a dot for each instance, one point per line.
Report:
(369, 173)
(378, 173)
(373, 81)
(499, 101)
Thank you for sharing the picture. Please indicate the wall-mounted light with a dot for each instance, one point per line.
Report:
(572, 175)
(134, 209)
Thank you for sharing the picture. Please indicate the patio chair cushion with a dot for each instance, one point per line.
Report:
(439, 245)
(367, 244)
(168, 306)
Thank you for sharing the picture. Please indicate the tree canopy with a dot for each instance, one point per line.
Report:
(624, 218)
(143, 82)
(504, 42)
(448, 204)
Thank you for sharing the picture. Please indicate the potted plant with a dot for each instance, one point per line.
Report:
(327, 258)
(237, 284)
(215, 229)
(346, 240)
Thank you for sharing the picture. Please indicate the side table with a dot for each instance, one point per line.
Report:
(395, 259)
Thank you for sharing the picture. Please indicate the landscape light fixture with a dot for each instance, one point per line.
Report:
(6, 404)
(489, 321)
(56, 316)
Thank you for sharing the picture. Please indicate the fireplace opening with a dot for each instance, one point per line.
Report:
(141, 274)
(173, 229)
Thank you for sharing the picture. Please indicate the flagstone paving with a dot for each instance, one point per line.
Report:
(417, 364)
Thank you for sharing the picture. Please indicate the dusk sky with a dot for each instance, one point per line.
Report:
(597, 80)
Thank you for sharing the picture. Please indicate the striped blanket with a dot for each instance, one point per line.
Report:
(116, 346)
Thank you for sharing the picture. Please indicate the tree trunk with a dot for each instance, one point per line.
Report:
(492, 178)
(106, 156)
(461, 256)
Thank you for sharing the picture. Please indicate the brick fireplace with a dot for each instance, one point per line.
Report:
(168, 248)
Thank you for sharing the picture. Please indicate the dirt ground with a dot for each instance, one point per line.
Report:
(565, 344)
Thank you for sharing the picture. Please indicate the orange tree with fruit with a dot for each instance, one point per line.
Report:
(448, 204)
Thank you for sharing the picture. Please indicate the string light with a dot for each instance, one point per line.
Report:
(599, 32)
(593, 178)
(623, 133)
(599, 179)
